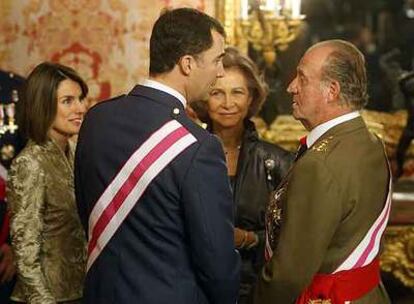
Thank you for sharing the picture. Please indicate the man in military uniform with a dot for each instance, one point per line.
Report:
(335, 200)
(156, 201)
(10, 144)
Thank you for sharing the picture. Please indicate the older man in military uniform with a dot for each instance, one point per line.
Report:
(323, 245)
(10, 144)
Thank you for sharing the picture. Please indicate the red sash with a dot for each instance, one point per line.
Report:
(343, 286)
(126, 189)
(4, 229)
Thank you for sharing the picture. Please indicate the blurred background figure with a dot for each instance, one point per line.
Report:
(10, 145)
(48, 241)
(254, 167)
(406, 83)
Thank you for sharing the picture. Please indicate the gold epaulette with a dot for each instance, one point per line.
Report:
(320, 302)
(322, 146)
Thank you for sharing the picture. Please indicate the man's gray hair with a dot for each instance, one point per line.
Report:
(346, 65)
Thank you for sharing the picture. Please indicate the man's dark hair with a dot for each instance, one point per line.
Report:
(38, 107)
(179, 32)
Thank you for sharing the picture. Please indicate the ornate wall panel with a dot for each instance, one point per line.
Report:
(105, 40)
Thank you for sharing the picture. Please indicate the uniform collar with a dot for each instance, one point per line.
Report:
(318, 131)
(158, 96)
(162, 87)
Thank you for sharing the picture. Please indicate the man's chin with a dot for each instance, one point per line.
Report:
(295, 115)
(301, 119)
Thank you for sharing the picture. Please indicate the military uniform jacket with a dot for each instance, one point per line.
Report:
(177, 243)
(11, 141)
(329, 200)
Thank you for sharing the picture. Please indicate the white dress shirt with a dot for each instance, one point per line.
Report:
(318, 131)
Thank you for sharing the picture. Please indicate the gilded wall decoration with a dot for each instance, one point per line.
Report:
(398, 254)
(8, 29)
(105, 40)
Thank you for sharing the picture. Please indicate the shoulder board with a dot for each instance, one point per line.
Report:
(322, 145)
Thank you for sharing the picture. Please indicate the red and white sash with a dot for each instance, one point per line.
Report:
(4, 228)
(367, 250)
(357, 275)
(268, 252)
(3, 173)
(3, 180)
(123, 193)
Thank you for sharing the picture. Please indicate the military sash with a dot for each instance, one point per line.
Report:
(125, 190)
(4, 228)
(358, 274)
(367, 250)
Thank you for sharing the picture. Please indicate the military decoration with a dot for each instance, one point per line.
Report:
(7, 152)
(322, 146)
(15, 96)
(11, 141)
(320, 301)
(274, 215)
(2, 127)
(10, 112)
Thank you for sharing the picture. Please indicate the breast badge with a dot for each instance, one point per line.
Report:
(319, 301)
(274, 215)
(11, 139)
(7, 152)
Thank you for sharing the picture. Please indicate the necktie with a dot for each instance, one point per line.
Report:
(302, 148)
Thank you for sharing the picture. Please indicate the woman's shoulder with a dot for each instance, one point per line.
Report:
(273, 149)
(31, 155)
(268, 152)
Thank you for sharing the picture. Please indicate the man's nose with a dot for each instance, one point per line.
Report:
(292, 87)
(220, 72)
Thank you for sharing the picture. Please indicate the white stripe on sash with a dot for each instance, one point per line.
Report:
(367, 250)
(123, 193)
(3, 172)
(268, 249)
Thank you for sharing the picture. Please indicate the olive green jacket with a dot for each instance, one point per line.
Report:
(329, 200)
(48, 241)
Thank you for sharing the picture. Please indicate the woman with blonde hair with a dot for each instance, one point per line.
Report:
(254, 167)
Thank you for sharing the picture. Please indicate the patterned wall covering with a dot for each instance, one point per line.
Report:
(105, 40)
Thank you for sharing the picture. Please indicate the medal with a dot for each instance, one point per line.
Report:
(3, 129)
(10, 112)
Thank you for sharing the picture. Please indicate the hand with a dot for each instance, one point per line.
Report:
(240, 237)
(7, 268)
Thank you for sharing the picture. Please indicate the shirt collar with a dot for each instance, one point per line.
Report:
(162, 87)
(318, 131)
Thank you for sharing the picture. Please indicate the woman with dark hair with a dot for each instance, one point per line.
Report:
(255, 167)
(47, 238)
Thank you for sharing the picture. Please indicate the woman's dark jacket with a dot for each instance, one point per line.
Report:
(252, 186)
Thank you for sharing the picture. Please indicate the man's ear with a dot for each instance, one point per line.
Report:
(186, 64)
(333, 91)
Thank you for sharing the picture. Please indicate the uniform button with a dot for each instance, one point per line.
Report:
(176, 111)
